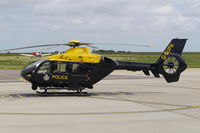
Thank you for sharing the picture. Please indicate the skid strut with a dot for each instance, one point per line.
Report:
(77, 93)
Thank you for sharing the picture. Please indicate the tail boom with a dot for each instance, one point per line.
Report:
(170, 64)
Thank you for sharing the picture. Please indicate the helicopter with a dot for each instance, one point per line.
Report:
(78, 68)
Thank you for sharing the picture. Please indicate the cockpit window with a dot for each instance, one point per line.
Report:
(45, 68)
(34, 64)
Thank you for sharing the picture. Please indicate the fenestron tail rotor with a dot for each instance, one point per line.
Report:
(171, 65)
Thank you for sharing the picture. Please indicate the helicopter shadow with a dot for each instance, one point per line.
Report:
(69, 94)
(75, 94)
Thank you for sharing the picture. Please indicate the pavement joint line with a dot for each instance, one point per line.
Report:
(15, 77)
(21, 79)
(190, 80)
(98, 113)
(187, 115)
(180, 87)
(9, 76)
(185, 87)
(7, 80)
(4, 96)
(116, 99)
(145, 102)
(192, 70)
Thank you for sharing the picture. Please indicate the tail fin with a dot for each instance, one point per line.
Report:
(171, 64)
(176, 46)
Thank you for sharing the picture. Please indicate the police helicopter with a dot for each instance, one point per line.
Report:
(78, 68)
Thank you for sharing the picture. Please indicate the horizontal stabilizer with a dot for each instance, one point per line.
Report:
(155, 73)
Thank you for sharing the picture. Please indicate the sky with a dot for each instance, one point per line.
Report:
(145, 22)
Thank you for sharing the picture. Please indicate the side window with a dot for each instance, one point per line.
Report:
(45, 68)
(81, 68)
(59, 67)
(75, 68)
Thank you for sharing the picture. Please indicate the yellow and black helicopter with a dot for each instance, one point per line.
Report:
(78, 68)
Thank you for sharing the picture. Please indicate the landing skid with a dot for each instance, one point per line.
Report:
(46, 93)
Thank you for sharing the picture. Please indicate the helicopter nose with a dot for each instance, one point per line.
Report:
(26, 75)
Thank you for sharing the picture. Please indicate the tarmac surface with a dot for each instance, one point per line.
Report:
(124, 102)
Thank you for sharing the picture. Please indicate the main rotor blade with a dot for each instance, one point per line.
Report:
(35, 46)
(74, 45)
(125, 44)
(89, 45)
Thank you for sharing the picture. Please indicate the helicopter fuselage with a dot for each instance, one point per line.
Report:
(78, 68)
(68, 75)
(75, 68)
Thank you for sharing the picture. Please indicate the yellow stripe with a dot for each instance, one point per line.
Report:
(192, 70)
(20, 96)
(100, 113)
